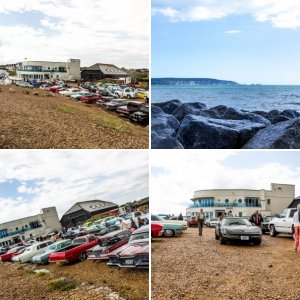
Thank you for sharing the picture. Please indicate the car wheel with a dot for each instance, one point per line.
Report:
(82, 256)
(273, 231)
(257, 242)
(221, 240)
(169, 232)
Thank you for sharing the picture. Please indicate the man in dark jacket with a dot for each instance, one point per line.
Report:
(256, 218)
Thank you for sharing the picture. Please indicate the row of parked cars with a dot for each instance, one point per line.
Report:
(121, 248)
(111, 97)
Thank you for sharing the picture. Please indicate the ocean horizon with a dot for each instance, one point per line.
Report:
(240, 96)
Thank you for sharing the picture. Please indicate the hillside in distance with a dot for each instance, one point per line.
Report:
(190, 81)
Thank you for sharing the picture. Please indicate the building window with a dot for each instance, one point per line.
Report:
(240, 200)
(240, 214)
(269, 201)
(226, 200)
(17, 228)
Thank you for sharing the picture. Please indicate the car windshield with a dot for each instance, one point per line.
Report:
(139, 236)
(213, 219)
(156, 218)
(231, 222)
(51, 247)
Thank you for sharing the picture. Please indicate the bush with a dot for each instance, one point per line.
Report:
(61, 284)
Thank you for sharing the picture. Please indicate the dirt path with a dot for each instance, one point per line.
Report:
(194, 267)
(94, 280)
(40, 121)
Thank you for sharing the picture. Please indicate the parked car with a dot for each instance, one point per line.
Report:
(72, 234)
(76, 251)
(114, 104)
(127, 93)
(70, 92)
(158, 219)
(108, 229)
(157, 230)
(31, 251)
(283, 224)
(56, 247)
(237, 229)
(141, 116)
(192, 221)
(3, 249)
(135, 254)
(80, 94)
(212, 222)
(89, 98)
(12, 252)
(56, 88)
(265, 224)
(129, 109)
(25, 85)
(109, 243)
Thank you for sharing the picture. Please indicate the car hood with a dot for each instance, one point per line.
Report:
(242, 229)
(135, 249)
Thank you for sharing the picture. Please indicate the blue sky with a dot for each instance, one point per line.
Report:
(253, 44)
(176, 175)
(107, 31)
(31, 180)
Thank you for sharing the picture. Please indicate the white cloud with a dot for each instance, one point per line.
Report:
(232, 31)
(63, 178)
(177, 175)
(281, 14)
(109, 31)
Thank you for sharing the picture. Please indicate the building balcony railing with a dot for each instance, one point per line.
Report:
(43, 71)
(20, 231)
(223, 204)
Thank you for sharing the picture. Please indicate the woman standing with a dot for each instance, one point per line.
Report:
(296, 223)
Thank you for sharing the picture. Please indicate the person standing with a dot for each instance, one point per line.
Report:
(256, 218)
(200, 220)
(296, 223)
(180, 217)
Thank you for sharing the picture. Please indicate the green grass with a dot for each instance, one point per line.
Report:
(30, 272)
(61, 284)
(65, 108)
(114, 123)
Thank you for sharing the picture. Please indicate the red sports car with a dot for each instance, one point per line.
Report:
(12, 252)
(89, 99)
(156, 230)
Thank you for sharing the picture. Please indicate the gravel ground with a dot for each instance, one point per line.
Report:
(94, 280)
(40, 122)
(198, 267)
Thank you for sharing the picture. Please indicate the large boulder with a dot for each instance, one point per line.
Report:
(283, 135)
(163, 130)
(188, 109)
(275, 116)
(169, 106)
(197, 132)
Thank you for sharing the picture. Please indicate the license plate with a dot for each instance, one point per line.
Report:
(244, 238)
(129, 261)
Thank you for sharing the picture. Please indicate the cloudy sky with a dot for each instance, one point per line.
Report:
(249, 41)
(106, 31)
(31, 180)
(175, 175)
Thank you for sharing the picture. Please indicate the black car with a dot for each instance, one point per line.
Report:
(238, 229)
(265, 224)
(141, 116)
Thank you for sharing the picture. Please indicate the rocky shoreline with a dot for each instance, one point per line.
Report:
(177, 125)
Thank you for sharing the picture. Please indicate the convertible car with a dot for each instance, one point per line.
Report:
(12, 252)
(237, 229)
(135, 254)
(109, 243)
(170, 228)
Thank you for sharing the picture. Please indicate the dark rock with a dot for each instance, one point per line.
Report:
(163, 130)
(169, 106)
(275, 116)
(188, 109)
(283, 135)
(197, 132)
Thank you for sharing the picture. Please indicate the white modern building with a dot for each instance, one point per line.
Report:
(30, 227)
(242, 202)
(47, 70)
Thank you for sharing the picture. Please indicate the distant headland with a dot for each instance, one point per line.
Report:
(190, 81)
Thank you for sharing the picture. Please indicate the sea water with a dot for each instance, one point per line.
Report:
(246, 97)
